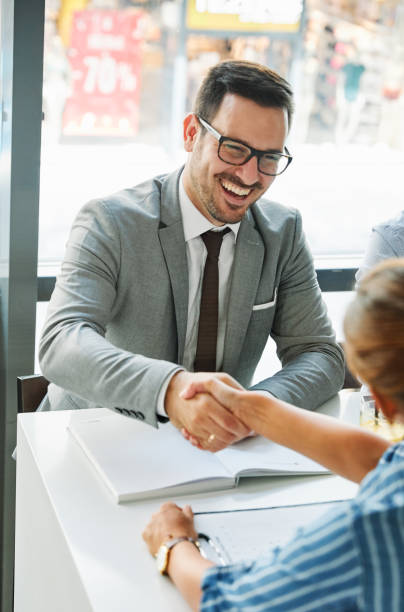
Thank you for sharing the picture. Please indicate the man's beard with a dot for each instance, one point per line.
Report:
(207, 200)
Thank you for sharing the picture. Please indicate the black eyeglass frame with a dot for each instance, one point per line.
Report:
(253, 152)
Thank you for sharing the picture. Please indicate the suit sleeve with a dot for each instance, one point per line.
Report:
(74, 353)
(377, 250)
(312, 362)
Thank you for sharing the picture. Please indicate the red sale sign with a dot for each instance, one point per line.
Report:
(105, 62)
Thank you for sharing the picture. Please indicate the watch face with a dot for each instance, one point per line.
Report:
(162, 558)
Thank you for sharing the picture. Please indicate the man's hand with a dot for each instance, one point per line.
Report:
(202, 419)
(168, 523)
(232, 396)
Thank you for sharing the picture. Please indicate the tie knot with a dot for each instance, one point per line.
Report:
(213, 242)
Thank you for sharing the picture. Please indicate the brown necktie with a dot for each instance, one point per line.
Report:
(205, 358)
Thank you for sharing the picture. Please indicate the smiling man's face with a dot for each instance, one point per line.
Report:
(220, 191)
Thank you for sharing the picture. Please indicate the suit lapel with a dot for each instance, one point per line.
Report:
(171, 234)
(247, 267)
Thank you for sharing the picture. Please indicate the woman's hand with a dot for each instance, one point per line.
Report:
(169, 522)
(347, 450)
(186, 566)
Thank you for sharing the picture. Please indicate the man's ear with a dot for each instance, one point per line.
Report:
(191, 129)
(385, 404)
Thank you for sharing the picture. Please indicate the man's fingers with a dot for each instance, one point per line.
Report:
(205, 423)
(213, 446)
(186, 433)
(207, 440)
(206, 417)
(194, 441)
(231, 426)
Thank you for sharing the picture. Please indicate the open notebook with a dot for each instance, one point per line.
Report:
(233, 537)
(137, 461)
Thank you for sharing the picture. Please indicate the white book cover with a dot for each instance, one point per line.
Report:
(137, 461)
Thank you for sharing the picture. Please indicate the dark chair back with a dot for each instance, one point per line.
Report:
(30, 392)
(350, 381)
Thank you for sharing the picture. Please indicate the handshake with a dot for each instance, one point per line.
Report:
(211, 409)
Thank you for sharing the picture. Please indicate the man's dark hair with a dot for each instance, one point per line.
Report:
(247, 79)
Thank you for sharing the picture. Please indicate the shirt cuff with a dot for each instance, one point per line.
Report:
(161, 412)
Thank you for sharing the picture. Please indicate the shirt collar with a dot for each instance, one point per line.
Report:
(194, 222)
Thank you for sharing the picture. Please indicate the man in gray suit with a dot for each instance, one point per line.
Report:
(122, 325)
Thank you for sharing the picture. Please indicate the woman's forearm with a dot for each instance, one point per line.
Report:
(345, 449)
(186, 568)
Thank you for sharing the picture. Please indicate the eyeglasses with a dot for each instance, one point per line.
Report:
(237, 153)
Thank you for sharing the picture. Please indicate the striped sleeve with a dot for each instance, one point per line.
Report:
(379, 531)
(318, 570)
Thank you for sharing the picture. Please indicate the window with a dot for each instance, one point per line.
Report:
(119, 75)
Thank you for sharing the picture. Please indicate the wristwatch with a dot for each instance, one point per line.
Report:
(163, 553)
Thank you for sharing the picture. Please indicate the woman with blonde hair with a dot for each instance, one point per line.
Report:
(352, 558)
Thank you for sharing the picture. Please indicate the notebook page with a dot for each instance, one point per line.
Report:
(135, 458)
(257, 454)
(238, 536)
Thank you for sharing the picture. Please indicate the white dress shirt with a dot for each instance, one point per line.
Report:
(195, 224)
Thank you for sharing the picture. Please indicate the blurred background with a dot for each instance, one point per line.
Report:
(119, 75)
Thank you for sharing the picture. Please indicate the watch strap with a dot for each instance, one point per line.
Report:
(171, 543)
(166, 548)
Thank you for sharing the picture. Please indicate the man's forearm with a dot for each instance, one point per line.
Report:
(308, 380)
(82, 361)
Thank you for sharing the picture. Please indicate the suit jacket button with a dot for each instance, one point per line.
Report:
(124, 411)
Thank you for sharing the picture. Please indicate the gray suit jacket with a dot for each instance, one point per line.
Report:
(117, 319)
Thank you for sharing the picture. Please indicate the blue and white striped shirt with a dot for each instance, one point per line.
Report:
(352, 558)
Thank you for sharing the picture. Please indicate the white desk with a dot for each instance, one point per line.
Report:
(78, 550)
